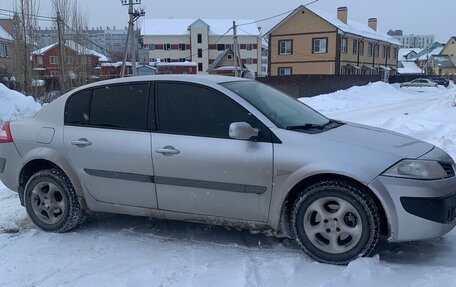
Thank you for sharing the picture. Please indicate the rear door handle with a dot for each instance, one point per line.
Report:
(81, 142)
(167, 150)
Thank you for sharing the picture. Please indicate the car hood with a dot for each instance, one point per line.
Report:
(377, 139)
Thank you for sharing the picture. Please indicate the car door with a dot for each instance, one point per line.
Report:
(107, 140)
(198, 168)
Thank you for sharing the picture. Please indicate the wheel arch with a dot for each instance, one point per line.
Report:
(37, 163)
(298, 188)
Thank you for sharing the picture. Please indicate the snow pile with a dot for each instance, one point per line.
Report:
(14, 105)
(360, 273)
(427, 114)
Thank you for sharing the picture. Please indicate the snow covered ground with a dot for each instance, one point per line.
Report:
(115, 250)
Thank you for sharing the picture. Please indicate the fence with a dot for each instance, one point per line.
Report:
(300, 86)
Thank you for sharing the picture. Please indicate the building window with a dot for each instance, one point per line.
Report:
(361, 48)
(320, 45)
(200, 53)
(39, 60)
(151, 46)
(285, 71)
(167, 47)
(344, 45)
(249, 47)
(377, 51)
(395, 53)
(53, 60)
(182, 47)
(181, 60)
(4, 51)
(388, 53)
(384, 52)
(355, 47)
(230, 57)
(370, 50)
(200, 67)
(220, 47)
(285, 47)
(249, 61)
(167, 60)
(200, 38)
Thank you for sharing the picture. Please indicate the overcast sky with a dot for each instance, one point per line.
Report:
(414, 17)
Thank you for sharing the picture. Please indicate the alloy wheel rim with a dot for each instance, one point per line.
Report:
(333, 225)
(48, 202)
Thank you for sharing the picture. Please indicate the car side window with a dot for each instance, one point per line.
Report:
(78, 108)
(121, 106)
(195, 110)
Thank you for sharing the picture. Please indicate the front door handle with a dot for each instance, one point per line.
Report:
(167, 150)
(81, 142)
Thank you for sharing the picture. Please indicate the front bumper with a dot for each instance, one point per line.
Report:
(417, 209)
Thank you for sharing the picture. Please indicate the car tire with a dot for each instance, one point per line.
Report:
(335, 222)
(51, 201)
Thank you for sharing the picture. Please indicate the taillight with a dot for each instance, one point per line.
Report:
(5, 133)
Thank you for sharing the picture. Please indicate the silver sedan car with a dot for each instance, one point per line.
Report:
(420, 83)
(226, 151)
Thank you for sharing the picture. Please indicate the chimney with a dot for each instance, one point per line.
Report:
(372, 22)
(342, 14)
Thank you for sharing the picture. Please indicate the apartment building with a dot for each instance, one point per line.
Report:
(109, 40)
(201, 41)
(308, 41)
(411, 40)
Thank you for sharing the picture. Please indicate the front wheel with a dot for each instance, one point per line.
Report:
(335, 222)
(51, 202)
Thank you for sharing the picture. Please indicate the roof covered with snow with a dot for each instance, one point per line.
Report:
(433, 50)
(5, 35)
(180, 27)
(444, 62)
(404, 52)
(75, 47)
(406, 67)
(352, 27)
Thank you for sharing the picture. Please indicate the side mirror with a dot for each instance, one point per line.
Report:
(242, 131)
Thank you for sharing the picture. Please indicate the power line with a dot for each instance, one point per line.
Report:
(91, 42)
(275, 16)
(37, 17)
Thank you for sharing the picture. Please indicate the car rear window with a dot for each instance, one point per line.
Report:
(123, 106)
(120, 107)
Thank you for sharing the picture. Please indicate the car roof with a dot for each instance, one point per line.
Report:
(201, 79)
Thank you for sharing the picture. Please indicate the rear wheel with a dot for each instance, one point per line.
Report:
(335, 222)
(51, 201)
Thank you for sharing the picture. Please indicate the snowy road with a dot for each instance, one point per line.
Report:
(114, 250)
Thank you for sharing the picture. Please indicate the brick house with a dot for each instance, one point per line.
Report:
(308, 41)
(6, 41)
(78, 60)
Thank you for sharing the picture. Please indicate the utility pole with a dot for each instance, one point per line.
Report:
(61, 52)
(131, 36)
(237, 54)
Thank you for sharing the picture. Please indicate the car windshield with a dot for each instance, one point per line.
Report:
(283, 110)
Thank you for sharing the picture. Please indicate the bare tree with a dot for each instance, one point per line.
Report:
(24, 25)
(71, 22)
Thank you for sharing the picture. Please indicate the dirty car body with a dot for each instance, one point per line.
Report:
(226, 151)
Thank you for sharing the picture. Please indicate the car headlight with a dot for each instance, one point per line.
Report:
(417, 169)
